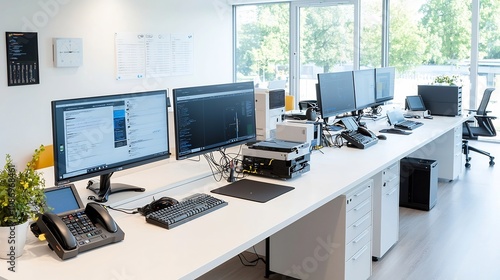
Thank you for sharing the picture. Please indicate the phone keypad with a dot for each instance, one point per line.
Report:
(78, 223)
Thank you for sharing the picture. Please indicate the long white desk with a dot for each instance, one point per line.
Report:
(194, 248)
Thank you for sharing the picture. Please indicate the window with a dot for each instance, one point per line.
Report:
(425, 39)
(262, 43)
(325, 44)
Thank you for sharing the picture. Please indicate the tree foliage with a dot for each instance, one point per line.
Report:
(325, 33)
(438, 32)
(448, 24)
(263, 43)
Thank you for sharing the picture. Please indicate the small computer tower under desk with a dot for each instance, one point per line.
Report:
(418, 183)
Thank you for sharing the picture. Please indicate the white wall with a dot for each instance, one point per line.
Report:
(25, 113)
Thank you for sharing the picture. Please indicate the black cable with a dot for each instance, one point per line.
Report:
(338, 141)
(213, 166)
(129, 211)
(253, 262)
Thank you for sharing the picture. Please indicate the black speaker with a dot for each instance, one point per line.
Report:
(418, 183)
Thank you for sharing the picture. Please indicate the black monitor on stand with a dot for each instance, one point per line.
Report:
(335, 94)
(384, 87)
(364, 91)
(97, 136)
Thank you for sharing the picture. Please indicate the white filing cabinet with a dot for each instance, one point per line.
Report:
(447, 150)
(332, 242)
(385, 210)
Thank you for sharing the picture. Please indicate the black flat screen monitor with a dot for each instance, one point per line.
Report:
(336, 93)
(364, 88)
(210, 118)
(384, 79)
(414, 103)
(96, 136)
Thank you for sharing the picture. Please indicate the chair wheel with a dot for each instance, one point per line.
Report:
(467, 165)
(492, 163)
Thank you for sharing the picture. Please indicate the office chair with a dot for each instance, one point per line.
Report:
(484, 127)
(304, 104)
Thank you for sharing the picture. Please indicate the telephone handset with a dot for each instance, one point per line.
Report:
(66, 244)
(366, 132)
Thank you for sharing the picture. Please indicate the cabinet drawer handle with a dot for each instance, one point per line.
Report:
(362, 192)
(355, 257)
(361, 222)
(392, 191)
(359, 238)
(392, 179)
(359, 207)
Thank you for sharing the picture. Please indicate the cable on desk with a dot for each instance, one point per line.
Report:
(332, 140)
(221, 169)
(129, 211)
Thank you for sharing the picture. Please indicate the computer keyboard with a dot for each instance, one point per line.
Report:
(408, 125)
(186, 210)
(358, 140)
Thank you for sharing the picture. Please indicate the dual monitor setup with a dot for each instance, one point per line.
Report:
(97, 136)
(344, 92)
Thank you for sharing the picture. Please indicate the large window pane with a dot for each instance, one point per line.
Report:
(489, 55)
(262, 43)
(326, 44)
(371, 34)
(429, 38)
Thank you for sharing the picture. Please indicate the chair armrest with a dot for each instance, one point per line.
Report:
(474, 110)
(485, 117)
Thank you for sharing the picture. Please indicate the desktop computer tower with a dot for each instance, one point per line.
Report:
(269, 111)
(418, 183)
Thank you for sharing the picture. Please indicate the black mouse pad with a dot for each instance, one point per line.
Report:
(253, 190)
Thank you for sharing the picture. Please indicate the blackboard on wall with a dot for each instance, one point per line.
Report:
(22, 58)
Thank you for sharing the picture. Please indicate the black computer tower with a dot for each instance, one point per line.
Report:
(418, 183)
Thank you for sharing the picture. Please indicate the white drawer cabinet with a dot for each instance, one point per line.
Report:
(385, 210)
(447, 150)
(339, 247)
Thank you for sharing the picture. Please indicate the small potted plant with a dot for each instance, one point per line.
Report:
(446, 80)
(21, 198)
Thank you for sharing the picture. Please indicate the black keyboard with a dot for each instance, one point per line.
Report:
(358, 140)
(186, 210)
(408, 125)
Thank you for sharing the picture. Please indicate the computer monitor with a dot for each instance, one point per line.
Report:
(335, 94)
(414, 103)
(97, 136)
(384, 79)
(214, 117)
(364, 88)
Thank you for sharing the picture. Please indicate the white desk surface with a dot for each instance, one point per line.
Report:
(198, 246)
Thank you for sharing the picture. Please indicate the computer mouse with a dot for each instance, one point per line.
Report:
(158, 204)
(416, 117)
(381, 137)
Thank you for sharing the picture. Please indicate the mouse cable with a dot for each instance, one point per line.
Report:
(130, 211)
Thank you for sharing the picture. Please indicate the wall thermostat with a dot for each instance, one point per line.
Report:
(68, 52)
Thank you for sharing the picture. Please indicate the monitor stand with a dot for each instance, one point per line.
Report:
(349, 122)
(104, 188)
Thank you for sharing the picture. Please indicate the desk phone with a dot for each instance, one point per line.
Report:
(70, 228)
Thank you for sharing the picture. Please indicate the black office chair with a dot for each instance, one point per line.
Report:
(483, 127)
(304, 104)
